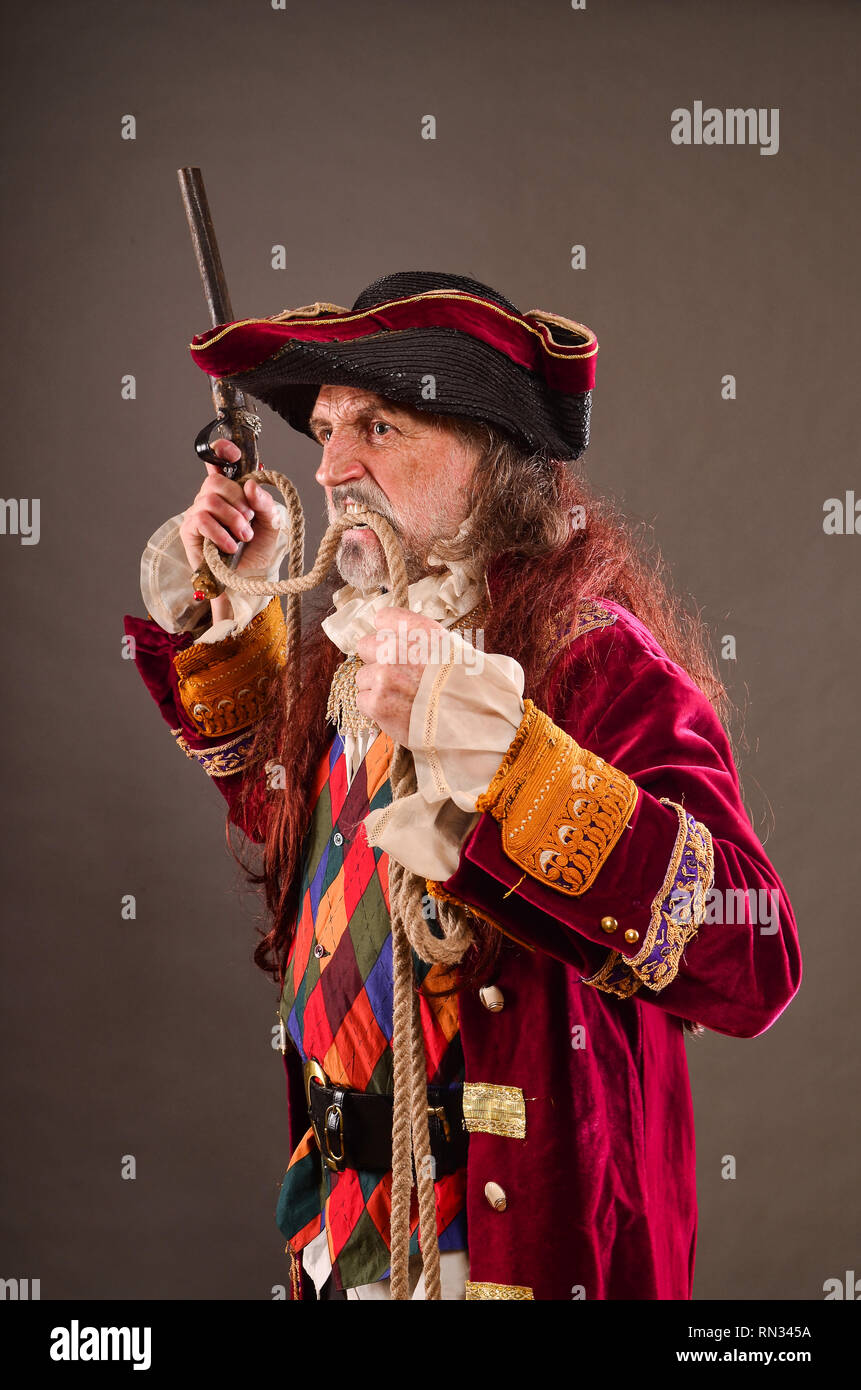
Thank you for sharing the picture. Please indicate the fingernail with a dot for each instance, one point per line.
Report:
(247, 533)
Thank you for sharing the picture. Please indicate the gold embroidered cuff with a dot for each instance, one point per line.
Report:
(561, 808)
(223, 685)
(614, 977)
(679, 906)
(476, 1291)
(222, 760)
(489, 1109)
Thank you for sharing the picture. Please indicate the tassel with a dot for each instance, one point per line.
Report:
(294, 1274)
(341, 707)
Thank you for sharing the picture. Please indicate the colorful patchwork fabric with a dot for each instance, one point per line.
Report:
(337, 1008)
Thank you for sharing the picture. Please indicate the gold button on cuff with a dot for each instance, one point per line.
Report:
(631, 936)
(492, 998)
(609, 924)
(495, 1196)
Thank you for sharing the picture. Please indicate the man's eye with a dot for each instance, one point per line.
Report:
(380, 424)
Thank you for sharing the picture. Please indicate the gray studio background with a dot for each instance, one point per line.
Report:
(152, 1037)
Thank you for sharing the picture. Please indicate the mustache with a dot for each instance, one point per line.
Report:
(366, 495)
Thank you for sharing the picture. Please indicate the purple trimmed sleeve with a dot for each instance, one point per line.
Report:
(619, 696)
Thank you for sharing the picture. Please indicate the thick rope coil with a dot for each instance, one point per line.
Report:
(410, 1132)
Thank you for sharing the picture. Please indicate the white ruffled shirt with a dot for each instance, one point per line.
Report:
(467, 709)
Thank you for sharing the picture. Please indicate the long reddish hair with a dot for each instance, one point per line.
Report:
(544, 540)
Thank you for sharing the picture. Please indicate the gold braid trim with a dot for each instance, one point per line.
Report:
(561, 808)
(614, 977)
(490, 1109)
(223, 685)
(569, 351)
(678, 911)
(567, 625)
(294, 1272)
(679, 906)
(309, 311)
(222, 760)
(479, 1291)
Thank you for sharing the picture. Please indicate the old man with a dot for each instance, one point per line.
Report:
(576, 800)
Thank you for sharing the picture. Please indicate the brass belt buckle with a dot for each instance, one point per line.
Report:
(334, 1161)
(439, 1112)
(312, 1071)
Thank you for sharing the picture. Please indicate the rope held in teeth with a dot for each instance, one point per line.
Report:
(410, 1133)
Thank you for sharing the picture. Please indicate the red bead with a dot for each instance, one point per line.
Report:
(198, 594)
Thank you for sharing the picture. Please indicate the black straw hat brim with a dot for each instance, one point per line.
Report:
(438, 370)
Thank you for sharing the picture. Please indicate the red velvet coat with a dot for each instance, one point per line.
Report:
(600, 1192)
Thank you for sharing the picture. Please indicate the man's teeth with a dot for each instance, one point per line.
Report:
(355, 507)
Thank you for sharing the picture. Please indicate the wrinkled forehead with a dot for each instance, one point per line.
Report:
(347, 403)
(341, 398)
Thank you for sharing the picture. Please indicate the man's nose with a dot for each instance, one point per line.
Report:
(341, 461)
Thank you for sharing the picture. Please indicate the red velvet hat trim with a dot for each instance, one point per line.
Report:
(526, 339)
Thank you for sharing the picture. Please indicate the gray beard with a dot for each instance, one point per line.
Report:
(368, 572)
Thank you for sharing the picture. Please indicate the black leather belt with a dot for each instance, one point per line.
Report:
(353, 1129)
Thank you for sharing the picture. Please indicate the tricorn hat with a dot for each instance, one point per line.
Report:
(440, 343)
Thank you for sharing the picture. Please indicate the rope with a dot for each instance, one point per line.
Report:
(410, 930)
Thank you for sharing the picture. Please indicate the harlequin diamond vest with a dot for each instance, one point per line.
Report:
(336, 1006)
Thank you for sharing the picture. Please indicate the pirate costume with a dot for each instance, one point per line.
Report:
(591, 834)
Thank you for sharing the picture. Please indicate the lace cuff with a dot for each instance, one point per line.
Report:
(466, 711)
(166, 587)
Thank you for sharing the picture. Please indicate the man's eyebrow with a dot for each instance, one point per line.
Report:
(370, 412)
